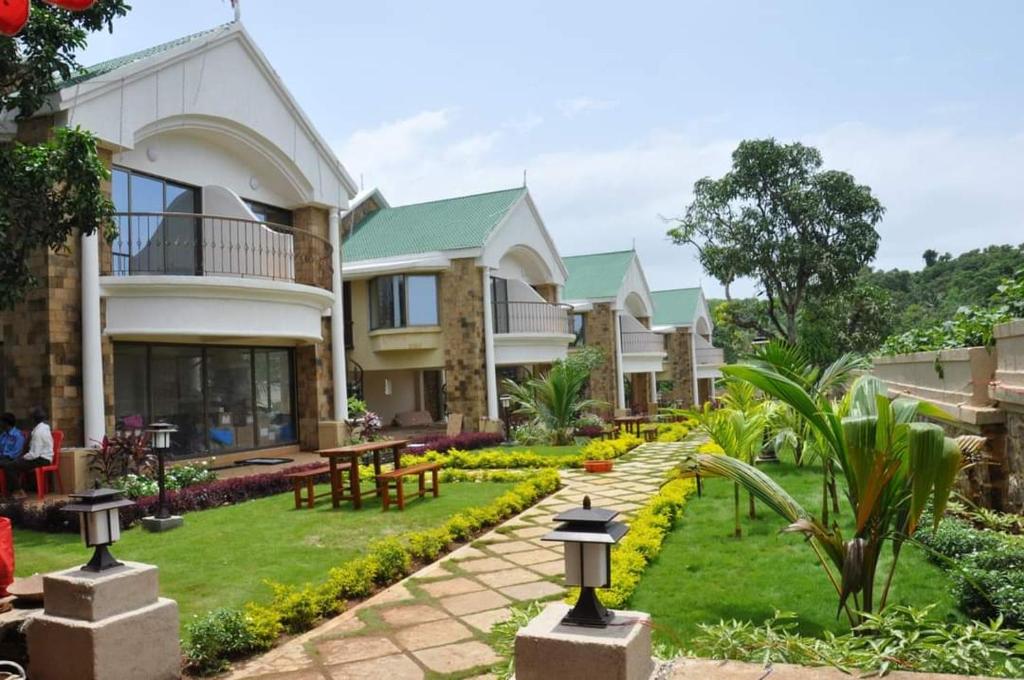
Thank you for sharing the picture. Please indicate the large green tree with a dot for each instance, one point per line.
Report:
(52, 188)
(778, 217)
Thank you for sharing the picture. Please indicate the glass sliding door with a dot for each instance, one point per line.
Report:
(221, 399)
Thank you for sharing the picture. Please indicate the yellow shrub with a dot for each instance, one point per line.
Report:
(711, 448)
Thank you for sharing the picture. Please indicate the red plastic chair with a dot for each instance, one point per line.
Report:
(54, 467)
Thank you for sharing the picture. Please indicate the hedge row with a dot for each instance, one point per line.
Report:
(226, 635)
(494, 459)
(465, 441)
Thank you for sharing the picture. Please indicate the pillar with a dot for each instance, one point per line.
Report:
(94, 420)
(620, 386)
(338, 362)
(489, 368)
(654, 388)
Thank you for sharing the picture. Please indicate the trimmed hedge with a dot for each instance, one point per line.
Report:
(496, 459)
(465, 441)
(227, 635)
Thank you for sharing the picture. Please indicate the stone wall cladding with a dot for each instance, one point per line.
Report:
(680, 366)
(462, 324)
(548, 291)
(312, 255)
(601, 333)
(1014, 461)
(988, 483)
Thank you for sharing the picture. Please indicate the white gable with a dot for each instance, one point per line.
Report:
(218, 87)
(520, 247)
(634, 294)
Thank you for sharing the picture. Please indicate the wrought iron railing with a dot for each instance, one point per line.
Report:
(634, 342)
(532, 317)
(187, 244)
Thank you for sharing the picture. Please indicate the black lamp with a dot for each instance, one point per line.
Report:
(160, 441)
(588, 534)
(99, 518)
(506, 401)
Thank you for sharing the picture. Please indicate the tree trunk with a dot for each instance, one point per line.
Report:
(824, 493)
(737, 531)
(752, 509)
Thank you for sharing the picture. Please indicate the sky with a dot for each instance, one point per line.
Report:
(614, 110)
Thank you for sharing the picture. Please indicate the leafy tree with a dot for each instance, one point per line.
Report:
(930, 257)
(54, 187)
(736, 324)
(781, 219)
(857, 321)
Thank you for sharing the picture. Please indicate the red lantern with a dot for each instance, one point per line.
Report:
(73, 5)
(13, 16)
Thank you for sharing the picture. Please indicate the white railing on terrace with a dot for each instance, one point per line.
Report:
(642, 342)
(532, 317)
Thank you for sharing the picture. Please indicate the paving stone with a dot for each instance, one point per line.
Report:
(488, 564)
(457, 657)
(552, 568)
(471, 603)
(432, 634)
(531, 532)
(511, 547)
(467, 553)
(532, 591)
(395, 667)
(355, 649)
(483, 621)
(411, 614)
(395, 593)
(507, 577)
(451, 586)
(534, 556)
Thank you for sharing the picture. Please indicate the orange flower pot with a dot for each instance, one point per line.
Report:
(598, 465)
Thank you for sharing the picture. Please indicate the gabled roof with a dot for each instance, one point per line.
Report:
(104, 67)
(435, 226)
(677, 307)
(596, 276)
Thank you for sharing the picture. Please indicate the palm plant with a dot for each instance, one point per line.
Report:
(891, 465)
(554, 401)
(792, 433)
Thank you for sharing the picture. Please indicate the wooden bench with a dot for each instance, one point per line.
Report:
(384, 483)
(306, 479)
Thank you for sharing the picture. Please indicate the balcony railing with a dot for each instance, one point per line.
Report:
(532, 317)
(642, 342)
(187, 244)
(710, 356)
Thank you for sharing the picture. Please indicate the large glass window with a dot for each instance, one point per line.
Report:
(149, 240)
(221, 399)
(270, 213)
(400, 301)
(579, 329)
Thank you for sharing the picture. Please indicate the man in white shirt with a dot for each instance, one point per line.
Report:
(40, 453)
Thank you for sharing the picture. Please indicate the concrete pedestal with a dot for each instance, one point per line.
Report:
(110, 625)
(156, 524)
(546, 649)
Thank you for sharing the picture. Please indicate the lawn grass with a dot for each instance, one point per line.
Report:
(704, 575)
(221, 557)
(570, 450)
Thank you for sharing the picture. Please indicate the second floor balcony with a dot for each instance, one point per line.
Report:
(531, 332)
(190, 244)
(643, 350)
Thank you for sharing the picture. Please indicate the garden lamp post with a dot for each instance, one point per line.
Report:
(160, 441)
(100, 522)
(588, 534)
(506, 401)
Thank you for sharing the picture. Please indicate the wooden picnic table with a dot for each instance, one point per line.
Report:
(352, 454)
(630, 423)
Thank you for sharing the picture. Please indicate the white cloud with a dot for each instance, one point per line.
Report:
(943, 188)
(571, 108)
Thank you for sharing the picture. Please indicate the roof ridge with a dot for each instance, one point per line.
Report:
(675, 290)
(108, 65)
(610, 252)
(457, 198)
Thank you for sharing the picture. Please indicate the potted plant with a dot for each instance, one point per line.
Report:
(598, 461)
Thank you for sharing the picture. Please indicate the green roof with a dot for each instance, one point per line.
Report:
(596, 276)
(105, 67)
(448, 224)
(676, 307)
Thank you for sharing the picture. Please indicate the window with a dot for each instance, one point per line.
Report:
(221, 399)
(401, 301)
(346, 302)
(579, 329)
(149, 240)
(500, 305)
(270, 213)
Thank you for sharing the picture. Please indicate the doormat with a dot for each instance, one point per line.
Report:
(263, 461)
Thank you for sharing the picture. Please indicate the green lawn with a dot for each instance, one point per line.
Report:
(570, 450)
(704, 575)
(221, 557)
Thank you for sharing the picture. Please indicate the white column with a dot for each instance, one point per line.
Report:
(94, 417)
(620, 377)
(489, 369)
(693, 366)
(654, 387)
(337, 321)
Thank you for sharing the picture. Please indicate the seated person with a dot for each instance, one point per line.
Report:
(40, 453)
(12, 441)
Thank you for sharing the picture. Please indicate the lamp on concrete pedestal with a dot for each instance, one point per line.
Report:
(588, 534)
(99, 518)
(506, 403)
(160, 442)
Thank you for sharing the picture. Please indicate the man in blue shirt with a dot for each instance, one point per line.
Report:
(12, 441)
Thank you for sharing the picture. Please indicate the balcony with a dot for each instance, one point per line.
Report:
(195, 277)
(187, 244)
(531, 332)
(709, 358)
(643, 350)
(642, 342)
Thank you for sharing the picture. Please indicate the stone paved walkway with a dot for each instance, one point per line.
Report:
(435, 623)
